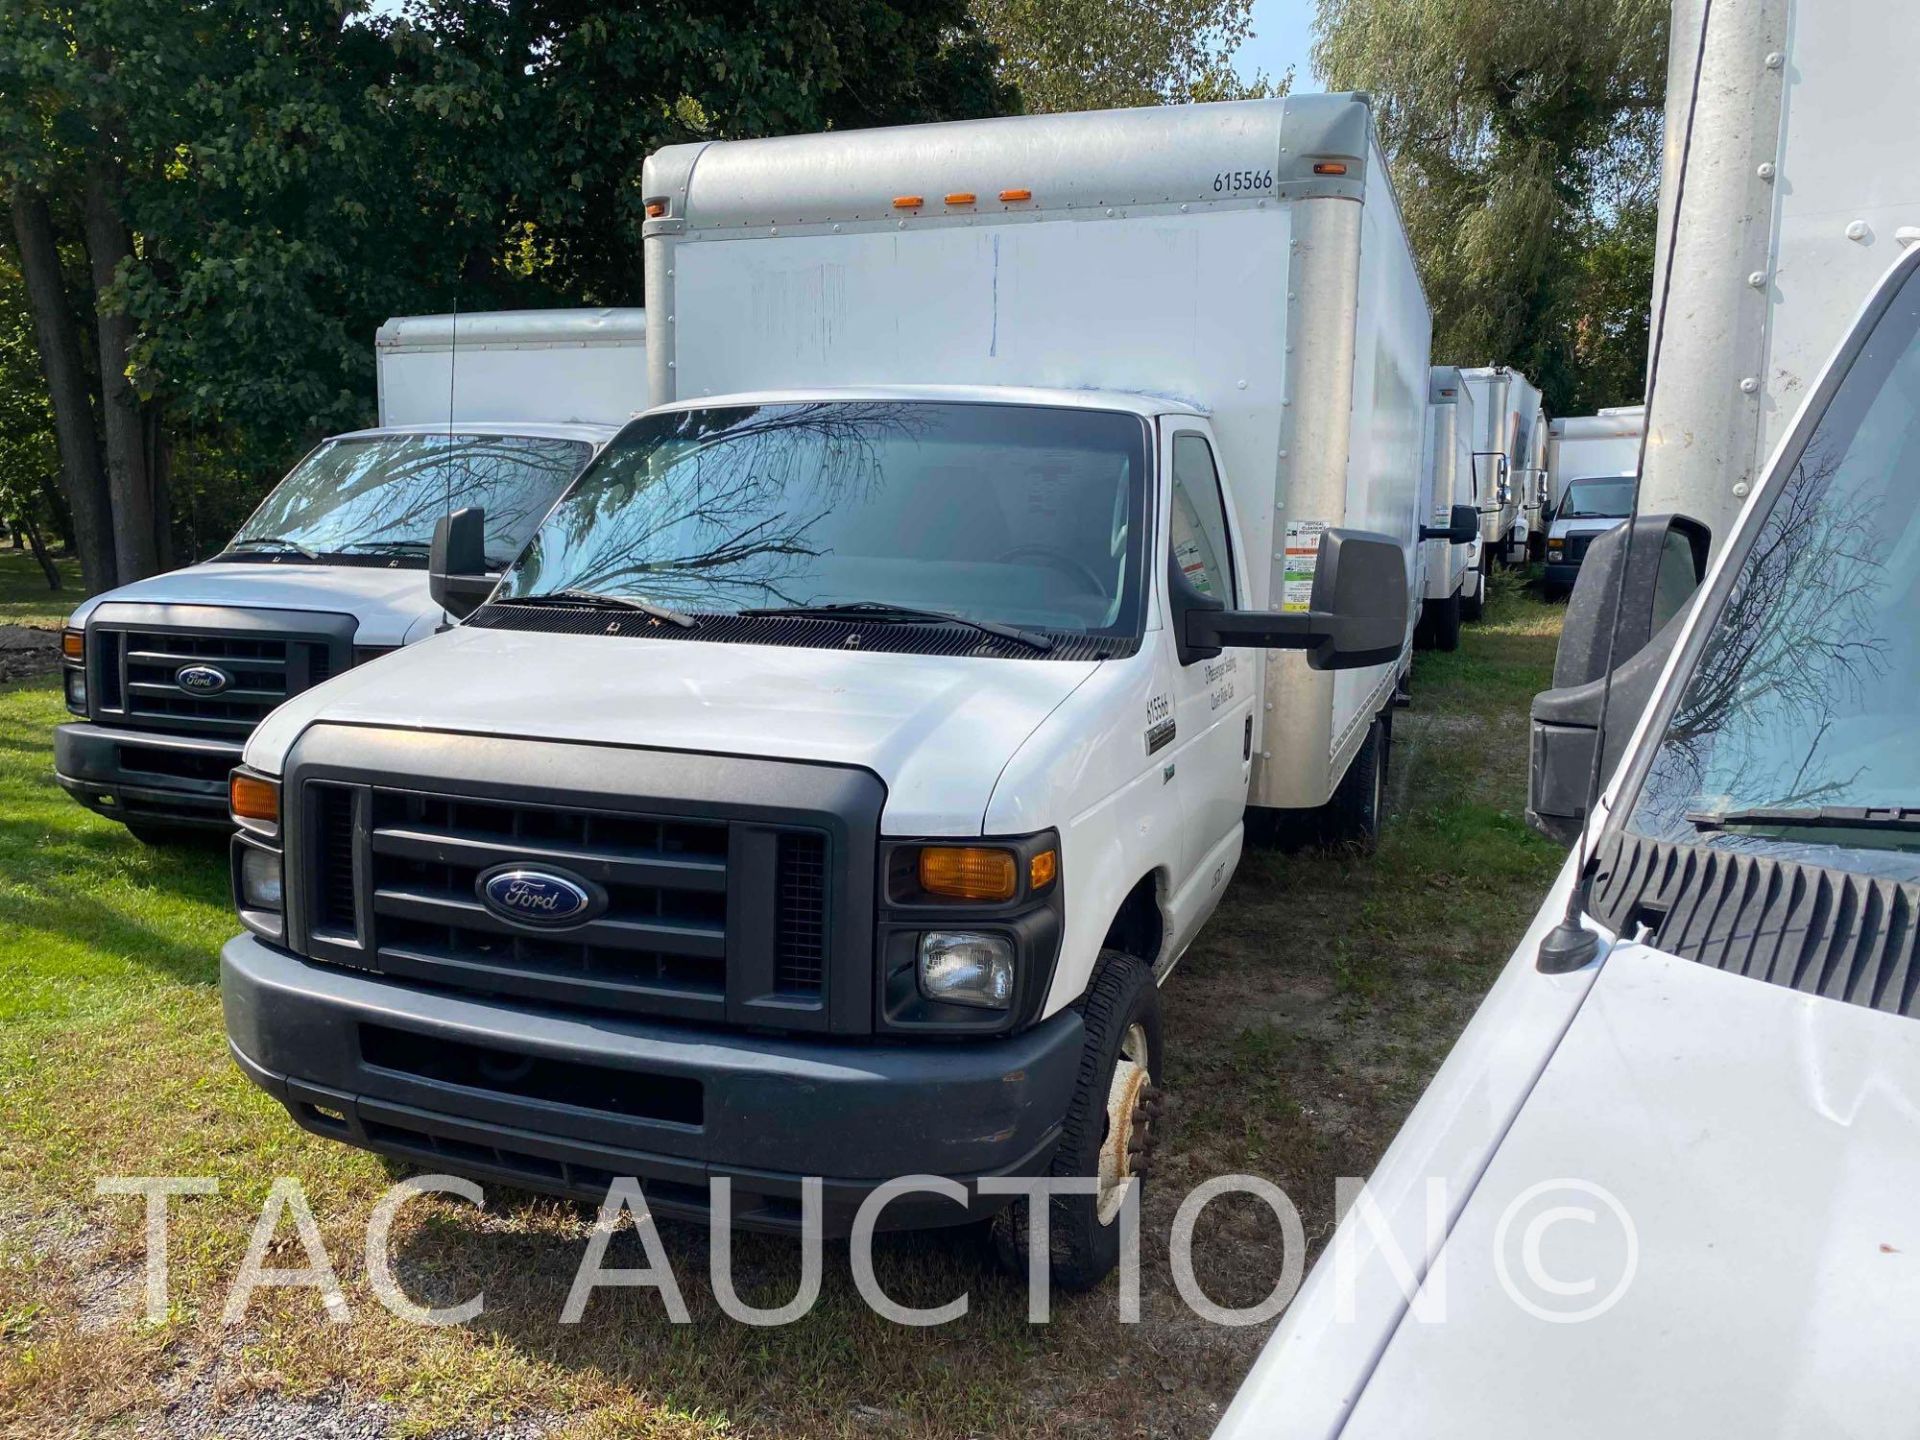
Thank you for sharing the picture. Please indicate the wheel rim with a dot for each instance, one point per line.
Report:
(1131, 1101)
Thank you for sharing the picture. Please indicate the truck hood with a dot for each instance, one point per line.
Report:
(391, 604)
(1561, 529)
(937, 729)
(1764, 1147)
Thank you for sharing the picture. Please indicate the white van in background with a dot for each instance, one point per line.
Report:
(858, 744)
(1509, 449)
(1591, 463)
(169, 675)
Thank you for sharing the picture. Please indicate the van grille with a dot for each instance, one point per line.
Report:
(138, 670)
(657, 945)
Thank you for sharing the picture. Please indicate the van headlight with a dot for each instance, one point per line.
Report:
(960, 967)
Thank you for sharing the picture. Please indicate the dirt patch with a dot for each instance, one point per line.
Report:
(27, 653)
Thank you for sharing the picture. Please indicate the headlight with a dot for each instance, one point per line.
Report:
(77, 691)
(962, 968)
(1556, 545)
(261, 887)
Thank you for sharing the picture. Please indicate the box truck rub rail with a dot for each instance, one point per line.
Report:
(856, 746)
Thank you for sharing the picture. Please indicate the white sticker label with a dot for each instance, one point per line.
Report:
(1302, 558)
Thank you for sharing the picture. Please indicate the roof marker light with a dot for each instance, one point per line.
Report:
(1015, 196)
(908, 202)
(1329, 167)
(962, 197)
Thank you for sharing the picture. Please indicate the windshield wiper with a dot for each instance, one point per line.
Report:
(409, 547)
(1810, 817)
(887, 614)
(598, 600)
(277, 542)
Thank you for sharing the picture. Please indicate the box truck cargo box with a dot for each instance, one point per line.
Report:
(1454, 585)
(1509, 445)
(868, 732)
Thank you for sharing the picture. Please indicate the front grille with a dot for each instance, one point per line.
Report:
(656, 942)
(1576, 548)
(137, 671)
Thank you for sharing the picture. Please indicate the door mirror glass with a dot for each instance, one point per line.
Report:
(1356, 616)
(457, 575)
(1669, 559)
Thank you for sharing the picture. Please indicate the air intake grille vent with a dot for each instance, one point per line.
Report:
(800, 947)
(1823, 932)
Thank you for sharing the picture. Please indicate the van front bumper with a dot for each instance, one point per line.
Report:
(560, 1101)
(136, 775)
(1560, 574)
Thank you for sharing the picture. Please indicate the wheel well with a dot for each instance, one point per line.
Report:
(1138, 929)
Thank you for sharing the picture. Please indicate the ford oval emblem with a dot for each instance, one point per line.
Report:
(202, 679)
(539, 898)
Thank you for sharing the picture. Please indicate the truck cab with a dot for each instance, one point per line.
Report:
(1664, 1182)
(168, 676)
(827, 788)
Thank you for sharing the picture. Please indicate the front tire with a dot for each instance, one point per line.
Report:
(1109, 1129)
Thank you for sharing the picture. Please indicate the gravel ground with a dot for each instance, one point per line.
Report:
(26, 653)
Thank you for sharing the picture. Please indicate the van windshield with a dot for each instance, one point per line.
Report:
(379, 496)
(1009, 514)
(1797, 723)
(1598, 497)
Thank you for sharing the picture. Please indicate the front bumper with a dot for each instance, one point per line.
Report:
(134, 775)
(1560, 574)
(547, 1099)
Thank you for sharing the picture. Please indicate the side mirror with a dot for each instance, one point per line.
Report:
(1356, 615)
(1462, 527)
(1669, 560)
(457, 575)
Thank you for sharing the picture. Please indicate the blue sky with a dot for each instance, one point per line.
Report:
(1282, 36)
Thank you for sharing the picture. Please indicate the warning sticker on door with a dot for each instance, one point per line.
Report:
(1302, 557)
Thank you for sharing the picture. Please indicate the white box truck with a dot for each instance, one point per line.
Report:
(885, 705)
(1664, 1183)
(1801, 181)
(1591, 463)
(1509, 459)
(1453, 584)
(168, 676)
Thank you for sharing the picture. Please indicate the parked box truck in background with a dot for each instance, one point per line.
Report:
(1509, 446)
(1801, 180)
(1591, 462)
(886, 704)
(1454, 584)
(169, 675)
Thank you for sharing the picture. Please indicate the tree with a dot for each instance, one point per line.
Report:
(1112, 54)
(1524, 144)
(29, 453)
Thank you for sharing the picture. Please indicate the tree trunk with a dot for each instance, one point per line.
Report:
(83, 480)
(40, 553)
(136, 548)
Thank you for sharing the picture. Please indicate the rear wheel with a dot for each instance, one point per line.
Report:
(1352, 817)
(1444, 633)
(1109, 1131)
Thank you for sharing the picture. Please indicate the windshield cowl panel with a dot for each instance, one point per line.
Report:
(1794, 731)
(1023, 519)
(375, 499)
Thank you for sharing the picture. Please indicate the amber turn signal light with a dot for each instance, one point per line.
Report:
(968, 872)
(251, 797)
(73, 644)
(1043, 869)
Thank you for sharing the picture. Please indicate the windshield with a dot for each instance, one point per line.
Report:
(1806, 693)
(1598, 497)
(1001, 513)
(380, 495)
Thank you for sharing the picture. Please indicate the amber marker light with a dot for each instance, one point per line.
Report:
(1014, 197)
(968, 872)
(73, 644)
(656, 209)
(252, 797)
(962, 197)
(1330, 167)
(1043, 869)
(908, 202)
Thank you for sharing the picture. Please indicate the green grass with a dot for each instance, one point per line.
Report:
(1300, 1029)
(24, 596)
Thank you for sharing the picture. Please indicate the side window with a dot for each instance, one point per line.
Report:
(1199, 524)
